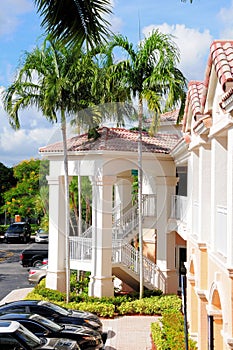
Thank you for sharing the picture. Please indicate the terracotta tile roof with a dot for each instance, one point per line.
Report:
(170, 116)
(221, 59)
(195, 90)
(116, 139)
(193, 99)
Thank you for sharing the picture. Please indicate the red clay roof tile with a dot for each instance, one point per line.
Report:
(116, 139)
(221, 58)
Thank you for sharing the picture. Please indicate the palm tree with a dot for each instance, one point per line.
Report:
(151, 74)
(75, 21)
(50, 78)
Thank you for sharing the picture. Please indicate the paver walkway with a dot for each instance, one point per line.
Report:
(128, 332)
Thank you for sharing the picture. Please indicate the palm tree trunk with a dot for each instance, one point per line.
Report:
(140, 114)
(67, 205)
(79, 206)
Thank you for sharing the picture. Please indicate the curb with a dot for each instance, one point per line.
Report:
(16, 294)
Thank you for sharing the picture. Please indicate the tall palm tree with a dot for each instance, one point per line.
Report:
(75, 21)
(151, 74)
(50, 78)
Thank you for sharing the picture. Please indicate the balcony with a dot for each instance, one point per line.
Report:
(179, 208)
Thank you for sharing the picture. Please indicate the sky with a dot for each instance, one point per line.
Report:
(193, 26)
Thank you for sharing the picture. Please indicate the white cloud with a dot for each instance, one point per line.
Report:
(225, 16)
(193, 45)
(10, 10)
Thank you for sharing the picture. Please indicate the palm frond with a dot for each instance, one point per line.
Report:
(74, 21)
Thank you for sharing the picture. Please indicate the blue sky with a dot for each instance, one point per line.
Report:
(194, 27)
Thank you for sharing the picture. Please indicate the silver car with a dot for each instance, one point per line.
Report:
(36, 274)
(41, 236)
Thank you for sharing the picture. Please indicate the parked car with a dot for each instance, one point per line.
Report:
(86, 338)
(53, 312)
(34, 255)
(15, 336)
(18, 231)
(37, 274)
(41, 236)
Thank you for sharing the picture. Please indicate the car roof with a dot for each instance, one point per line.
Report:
(14, 316)
(19, 223)
(20, 302)
(8, 326)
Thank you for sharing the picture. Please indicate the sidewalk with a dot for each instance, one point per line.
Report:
(128, 332)
(123, 333)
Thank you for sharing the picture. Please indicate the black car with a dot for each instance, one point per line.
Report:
(18, 231)
(86, 338)
(15, 336)
(53, 312)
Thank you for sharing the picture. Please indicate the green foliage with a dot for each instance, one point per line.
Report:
(7, 180)
(2, 229)
(150, 306)
(168, 332)
(20, 199)
(107, 306)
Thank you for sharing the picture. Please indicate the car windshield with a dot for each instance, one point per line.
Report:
(55, 308)
(15, 228)
(28, 337)
(47, 323)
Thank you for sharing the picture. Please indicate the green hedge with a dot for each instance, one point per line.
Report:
(168, 332)
(108, 307)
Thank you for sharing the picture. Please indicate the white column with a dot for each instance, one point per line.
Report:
(56, 278)
(218, 194)
(123, 195)
(230, 198)
(204, 209)
(166, 241)
(101, 282)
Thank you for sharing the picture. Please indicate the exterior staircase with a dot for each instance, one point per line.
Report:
(125, 258)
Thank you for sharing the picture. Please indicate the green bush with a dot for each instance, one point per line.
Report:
(108, 307)
(150, 306)
(3, 229)
(168, 332)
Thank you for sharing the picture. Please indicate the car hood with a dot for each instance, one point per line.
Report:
(60, 344)
(86, 315)
(79, 330)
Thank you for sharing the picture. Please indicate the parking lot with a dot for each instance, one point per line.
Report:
(12, 274)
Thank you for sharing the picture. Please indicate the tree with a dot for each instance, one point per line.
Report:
(50, 78)
(151, 74)
(75, 21)
(20, 198)
(7, 181)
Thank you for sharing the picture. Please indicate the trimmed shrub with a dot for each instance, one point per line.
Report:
(168, 333)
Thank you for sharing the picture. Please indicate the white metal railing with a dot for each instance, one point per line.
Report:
(87, 233)
(149, 205)
(179, 208)
(129, 256)
(221, 230)
(125, 224)
(80, 248)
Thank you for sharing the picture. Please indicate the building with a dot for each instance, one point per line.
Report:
(187, 206)
(207, 152)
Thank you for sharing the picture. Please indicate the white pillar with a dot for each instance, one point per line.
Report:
(204, 209)
(123, 195)
(230, 198)
(166, 240)
(101, 282)
(56, 277)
